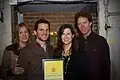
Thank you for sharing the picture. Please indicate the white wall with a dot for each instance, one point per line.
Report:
(5, 28)
(112, 35)
(101, 18)
(114, 38)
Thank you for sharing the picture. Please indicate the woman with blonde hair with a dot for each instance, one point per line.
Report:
(11, 53)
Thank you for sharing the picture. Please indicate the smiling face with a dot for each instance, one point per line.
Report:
(84, 25)
(23, 34)
(67, 36)
(42, 32)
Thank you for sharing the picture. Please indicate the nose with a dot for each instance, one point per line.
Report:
(65, 36)
(81, 24)
(44, 32)
(24, 34)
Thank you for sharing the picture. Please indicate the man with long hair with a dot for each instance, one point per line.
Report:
(95, 46)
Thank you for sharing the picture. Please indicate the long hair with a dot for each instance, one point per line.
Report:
(19, 26)
(60, 32)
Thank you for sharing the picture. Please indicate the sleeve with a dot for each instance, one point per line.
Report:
(80, 62)
(51, 51)
(105, 60)
(23, 62)
(57, 53)
(5, 66)
(6, 59)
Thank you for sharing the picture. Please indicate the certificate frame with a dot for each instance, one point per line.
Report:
(52, 69)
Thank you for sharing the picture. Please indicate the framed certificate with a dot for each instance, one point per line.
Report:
(52, 69)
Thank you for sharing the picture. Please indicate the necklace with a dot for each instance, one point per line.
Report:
(66, 60)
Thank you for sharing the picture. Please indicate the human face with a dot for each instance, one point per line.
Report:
(23, 34)
(42, 33)
(84, 25)
(67, 36)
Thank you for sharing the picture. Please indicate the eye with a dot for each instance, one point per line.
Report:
(84, 22)
(47, 29)
(68, 33)
(20, 32)
(63, 34)
(26, 31)
(79, 23)
(41, 29)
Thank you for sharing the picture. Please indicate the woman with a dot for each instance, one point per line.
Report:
(72, 54)
(11, 53)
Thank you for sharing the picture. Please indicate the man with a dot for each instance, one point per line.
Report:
(31, 56)
(96, 48)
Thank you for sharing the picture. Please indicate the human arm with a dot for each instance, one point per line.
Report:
(105, 60)
(23, 63)
(6, 70)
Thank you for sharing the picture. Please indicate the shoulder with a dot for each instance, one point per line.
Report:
(78, 39)
(31, 45)
(28, 48)
(50, 46)
(57, 53)
(50, 49)
(101, 40)
(77, 42)
(99, 37)
(57, 50)
(12, 47)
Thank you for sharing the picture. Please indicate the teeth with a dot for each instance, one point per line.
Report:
(65, 40)
(83, 29)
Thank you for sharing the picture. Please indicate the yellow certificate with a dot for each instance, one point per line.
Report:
(52, 69)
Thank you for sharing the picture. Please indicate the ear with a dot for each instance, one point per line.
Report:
(73, 36)
(90, 24)
(35, 33)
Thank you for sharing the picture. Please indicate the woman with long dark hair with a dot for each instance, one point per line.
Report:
(69, 50)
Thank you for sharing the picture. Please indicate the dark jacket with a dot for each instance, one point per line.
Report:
(31, 60)
(9, 53)
(76, 66)
(97, 56)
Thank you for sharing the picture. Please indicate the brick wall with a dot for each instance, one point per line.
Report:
(55, 18)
